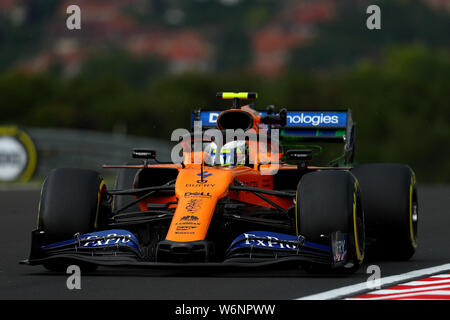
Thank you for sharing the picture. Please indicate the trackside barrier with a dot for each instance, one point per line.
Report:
(88, 149)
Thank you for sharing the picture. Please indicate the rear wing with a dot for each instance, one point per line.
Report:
(303, 126)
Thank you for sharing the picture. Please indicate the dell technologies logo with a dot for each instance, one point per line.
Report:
(312, 119)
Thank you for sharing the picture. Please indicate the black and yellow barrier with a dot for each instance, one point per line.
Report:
(18, 156)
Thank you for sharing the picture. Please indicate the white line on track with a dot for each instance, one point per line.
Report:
(363, 287)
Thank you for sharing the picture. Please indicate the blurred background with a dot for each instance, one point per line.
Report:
(137, 68)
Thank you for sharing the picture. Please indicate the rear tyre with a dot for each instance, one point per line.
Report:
(329, 201)
(390, 205)
(71, 202)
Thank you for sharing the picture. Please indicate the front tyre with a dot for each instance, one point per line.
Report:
(329, 201)
(71, 202)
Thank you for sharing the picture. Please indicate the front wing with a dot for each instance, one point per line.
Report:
(255, 249)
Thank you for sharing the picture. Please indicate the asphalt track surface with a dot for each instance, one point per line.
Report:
(18, 217)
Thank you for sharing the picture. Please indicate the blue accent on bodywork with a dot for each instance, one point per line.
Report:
(205, 174)
(268, 240)
(100, 239)
(295, 119)
(316, 119)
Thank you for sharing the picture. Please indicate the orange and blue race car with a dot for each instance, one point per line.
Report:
(251, 200)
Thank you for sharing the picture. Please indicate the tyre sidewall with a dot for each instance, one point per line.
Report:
(69, 203)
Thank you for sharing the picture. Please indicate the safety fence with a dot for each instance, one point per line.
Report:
(88, 149)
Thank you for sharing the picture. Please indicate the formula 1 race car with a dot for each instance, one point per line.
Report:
(228, 204)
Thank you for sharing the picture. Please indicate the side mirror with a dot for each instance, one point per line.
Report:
(299, 156)
(145, 154)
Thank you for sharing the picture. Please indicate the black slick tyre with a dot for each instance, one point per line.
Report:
(390, 205)
(70, 203)
(329, 201)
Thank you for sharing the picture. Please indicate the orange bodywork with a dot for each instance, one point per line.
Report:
(197, 199)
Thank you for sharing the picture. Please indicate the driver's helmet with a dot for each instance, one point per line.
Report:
(233, 153)
(209, 153)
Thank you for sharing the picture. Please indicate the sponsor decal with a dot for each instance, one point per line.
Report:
(189, 218)
(341, 253)
(295, 119)
(184, 228)
(208, 118)
(101, 239)
(339, 246)
(271, 240)
(314, 119)
(110, 239)
(200, 184)
(188, 223)
(205, 174)
(193, 205)
(197, 194)
(212, 119)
